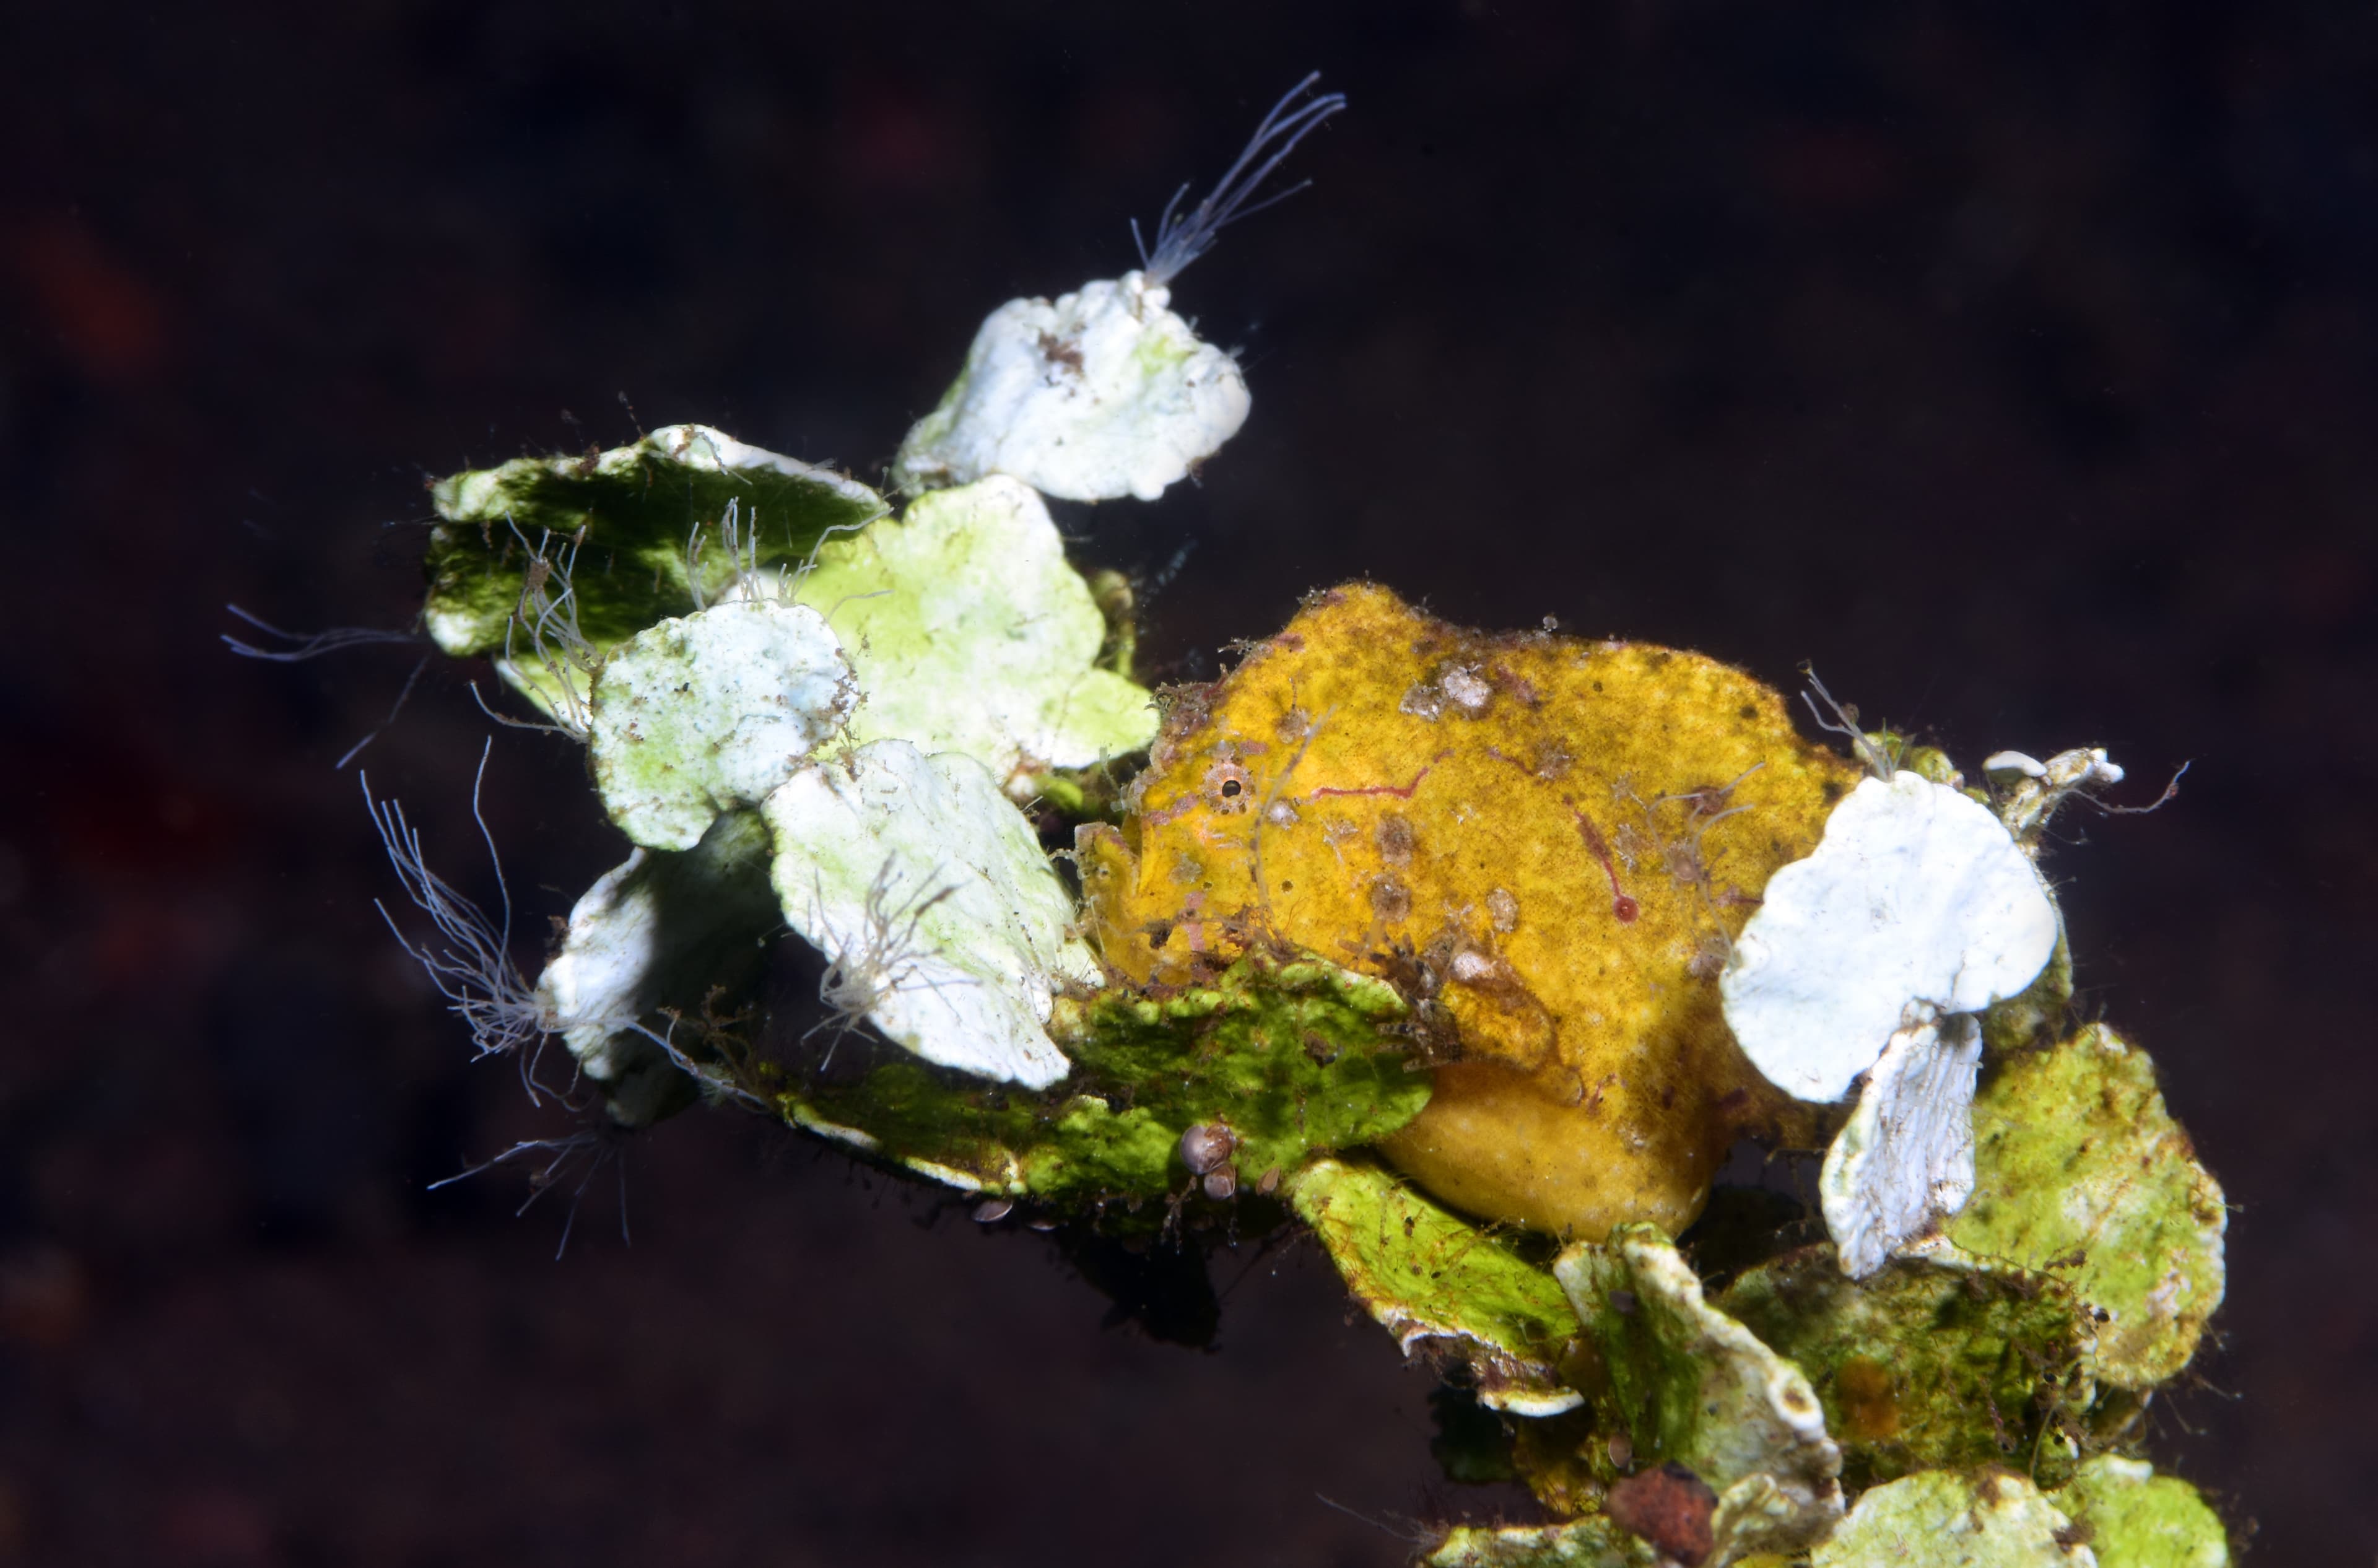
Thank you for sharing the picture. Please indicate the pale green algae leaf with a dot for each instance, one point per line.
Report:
(1921, 1366)
(1441, 1284)
(1592, 1542)
(969, 632)
(1689, 1384)
(633, 512)
(2138, 1519)
(2084, 1173)
(664, 931)
(925, 888)
(1099, 394)
(1942, 1519)
(1293, 1057)
(709, 712)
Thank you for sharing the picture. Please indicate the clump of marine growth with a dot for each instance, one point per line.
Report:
(1476, 954)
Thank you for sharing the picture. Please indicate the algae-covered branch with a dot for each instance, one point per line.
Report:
(1479, 954)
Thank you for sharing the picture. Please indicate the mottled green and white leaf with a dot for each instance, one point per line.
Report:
(1942, 1519)
(926, 888)
(709, 712)
(1922, 1366)
(664, 931)
(1591, 1543)
(646, 523)
(1691, 1384)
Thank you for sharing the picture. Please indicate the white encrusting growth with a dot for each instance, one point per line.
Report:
(1905, 1160)
(926, 888)
(2036, 789)
(1872, 956)
(661, 928)
(596, 982)
(1099, 394)
(711, 712)
(700, 446)
(1105, 392)
(2017, 763)
(1917, 894)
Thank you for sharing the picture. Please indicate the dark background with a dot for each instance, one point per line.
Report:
(2015, 365)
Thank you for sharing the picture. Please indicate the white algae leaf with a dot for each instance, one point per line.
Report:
(709, 712)
(661, 930)
(1905, 1159)
(1990, 1519)
(1917, 894)
(969, 632)
(927, 890)
(1099, 394)
(1691, 1384)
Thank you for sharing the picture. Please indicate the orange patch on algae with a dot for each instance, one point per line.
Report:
(1546, 843)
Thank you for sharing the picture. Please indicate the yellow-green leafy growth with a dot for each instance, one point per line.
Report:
(1921, 1366)
(969, 631)
(2138, 1519)
(1291, 1059)
(1443, 1286)
(2080, 1172)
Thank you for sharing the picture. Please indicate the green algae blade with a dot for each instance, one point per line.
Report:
(1293, 1059)
(2138, 1519)
(2082, 1172)
(1438, 1281)
(946, 926)
(645, 521)
(1920, 1366)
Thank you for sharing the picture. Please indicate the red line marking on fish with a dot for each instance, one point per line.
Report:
(1401, 792)
(1626, 908)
